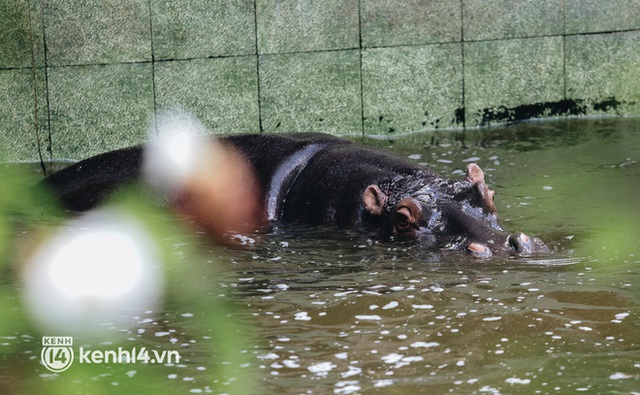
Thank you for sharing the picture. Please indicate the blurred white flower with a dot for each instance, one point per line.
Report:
(99, 270)
(174, 151)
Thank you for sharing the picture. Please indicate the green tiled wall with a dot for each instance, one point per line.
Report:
(411, 88)
(602, 67)
(191, 29)
(96, 32)
(97, 107)
(18, 137)
(502, 19)
(411, 22)
(221, 92)
(509, 73)
(306, 25)
(79, 77)
(311, 91)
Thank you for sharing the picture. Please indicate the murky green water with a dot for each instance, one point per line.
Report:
(348, 315)
(337, 312)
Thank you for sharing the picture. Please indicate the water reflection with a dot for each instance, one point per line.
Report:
(460, 327)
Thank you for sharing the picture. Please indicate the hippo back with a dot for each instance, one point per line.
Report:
(85, 184)
(279, 160)
(316, 178)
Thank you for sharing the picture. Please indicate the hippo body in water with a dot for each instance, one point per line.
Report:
(315, 179)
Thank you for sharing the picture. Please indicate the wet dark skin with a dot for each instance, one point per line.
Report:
(315, 179)
(463, 216)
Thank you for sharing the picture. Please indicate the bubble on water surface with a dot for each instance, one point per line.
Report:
(322, 368)
(302, 316)
(290, 363)
(368, 317)
(516, 380)
(352, 371)
(347, 387)
(422, 306)
(390, 305)
(621, 376)
(424, 344)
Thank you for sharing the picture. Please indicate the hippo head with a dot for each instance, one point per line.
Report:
(453, 214)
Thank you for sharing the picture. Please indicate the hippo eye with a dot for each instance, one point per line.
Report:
(403, 219)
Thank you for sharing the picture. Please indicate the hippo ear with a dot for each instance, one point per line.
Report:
(474, 173)
(374, 199)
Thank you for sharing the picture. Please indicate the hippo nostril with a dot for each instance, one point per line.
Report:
(525, 245)
(520, 243)
(538, 246)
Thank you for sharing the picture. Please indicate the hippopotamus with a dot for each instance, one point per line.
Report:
(314, 178)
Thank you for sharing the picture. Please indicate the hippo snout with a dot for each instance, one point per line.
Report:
(515, 244)
(525, 245)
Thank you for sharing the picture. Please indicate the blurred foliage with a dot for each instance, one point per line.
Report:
(27, 215)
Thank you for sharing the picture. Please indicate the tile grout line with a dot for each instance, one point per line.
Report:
(463, 109)
(333, 50)
(46, 84)
(255, 24)
(564, 52)
(361, 73)
(153, 71)
(36, 122)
